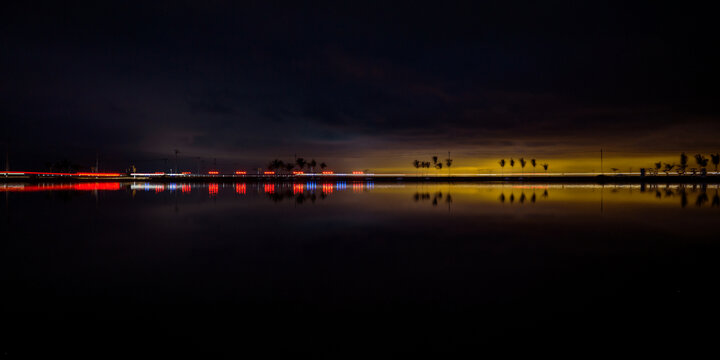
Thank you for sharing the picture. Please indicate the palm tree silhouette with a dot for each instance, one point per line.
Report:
(522, 164)
(435, 159)
(416, 164)
(534, 164)
(545, 166)
(715, 160)
(668, 168)
(683, 164)
(658, 165)
(448, 163)
(275, 165)
(701, 161)
(312, 164)
(502, 165)
(323, 166)
(300, 163)
(512, 164)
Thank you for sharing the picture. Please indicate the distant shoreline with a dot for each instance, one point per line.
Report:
(600, 179)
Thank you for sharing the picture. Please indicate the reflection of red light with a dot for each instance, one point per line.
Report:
(240, 188)
(186, 173)
(298, 172)
(357, 186)
(269, 188)
(213, 189)
(159, 188)
(327, 188)
(113, 186)
(240, 173)
(298, 188)
(327, 172)
(269, 173)
(185, 188)
(213, 172)
(358, 172)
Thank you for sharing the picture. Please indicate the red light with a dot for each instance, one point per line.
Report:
(213, 172)
(240, 173)
(186, 173)
(327, 172)
(358, 172)
(98, 174)
(298, 172)
(58, 187)
(269, 173)
(159, 173)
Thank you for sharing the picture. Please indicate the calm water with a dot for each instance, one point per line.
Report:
(348, 267)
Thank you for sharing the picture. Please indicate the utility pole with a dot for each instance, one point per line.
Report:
(176, 163)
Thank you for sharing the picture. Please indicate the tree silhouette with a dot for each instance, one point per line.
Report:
(715, 160)
(275, 165)
(668, 168)
(300, 163)
(439, 166)
(522, 164)
(448, 163)
(312, 164)
(545, 166)
(683, 164)
(323, 166)
(502, 165)
(701, 160)
(512, 164)
(534, 164)
(416, 164)
(289, 167)
(658, 166)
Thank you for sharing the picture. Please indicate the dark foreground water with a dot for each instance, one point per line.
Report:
(357, 268)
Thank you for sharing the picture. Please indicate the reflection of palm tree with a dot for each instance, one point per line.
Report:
(701, 199)
(502, 165)
(716, 199)
(502, 198)
(522, 198)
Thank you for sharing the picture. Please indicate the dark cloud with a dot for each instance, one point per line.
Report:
(246, 81)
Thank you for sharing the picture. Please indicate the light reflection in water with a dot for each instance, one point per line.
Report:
(688, 195)
(213, 189)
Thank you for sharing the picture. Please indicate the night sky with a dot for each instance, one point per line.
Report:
(370, 85)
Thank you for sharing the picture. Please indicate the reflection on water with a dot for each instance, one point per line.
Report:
(699, 194)
(563, 257)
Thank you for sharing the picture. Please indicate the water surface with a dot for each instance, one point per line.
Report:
(339, 267)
